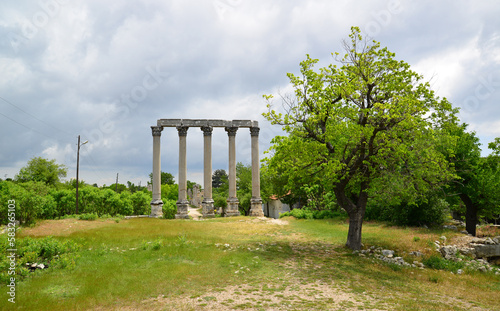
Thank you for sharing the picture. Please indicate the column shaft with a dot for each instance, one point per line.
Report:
(182, 203)
(208, 202)
(256, 201)
(156, 203)
(232, 201)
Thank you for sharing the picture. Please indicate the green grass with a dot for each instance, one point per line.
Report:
(244, 263)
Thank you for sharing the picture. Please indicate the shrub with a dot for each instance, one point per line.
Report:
(439, 263)
(125, 207)
(220, 200)
(299, 213)
(48, 251)
(90, 200)
(65, 200)
(31, 199)
(430, 211)
(89, 216)
(169, 209)
(141, 203)
(169, 192)
(45, 248)
(306, 213)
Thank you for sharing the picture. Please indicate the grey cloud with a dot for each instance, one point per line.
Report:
(87, 71)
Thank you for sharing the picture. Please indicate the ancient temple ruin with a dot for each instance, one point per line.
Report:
(206, 126)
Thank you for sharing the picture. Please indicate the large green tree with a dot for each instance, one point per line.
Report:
(40, 169)
(350, 123)
(478, 178)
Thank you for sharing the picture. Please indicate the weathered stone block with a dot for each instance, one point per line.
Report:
(449, 252)
(182, 210)
(487, 250)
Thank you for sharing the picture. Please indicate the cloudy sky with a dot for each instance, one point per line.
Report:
(107, 70)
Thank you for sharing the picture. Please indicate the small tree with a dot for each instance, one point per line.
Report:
(219, 177)
(40, 169)
(349, 124)
(166, 178)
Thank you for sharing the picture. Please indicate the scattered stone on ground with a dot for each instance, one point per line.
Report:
(478, 254)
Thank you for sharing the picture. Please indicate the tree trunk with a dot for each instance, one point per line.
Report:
(470, 214)
(355, 226)
(356, 214)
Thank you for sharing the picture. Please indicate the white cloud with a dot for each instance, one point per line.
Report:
(447, 68)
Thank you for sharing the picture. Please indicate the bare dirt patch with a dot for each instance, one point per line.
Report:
(310, 296)
(64, 227)
(266, 220)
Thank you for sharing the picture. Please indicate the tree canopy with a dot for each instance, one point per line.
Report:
(353, 122)
(219, 177)
(40, 169)
(166, 178)
(477, 183)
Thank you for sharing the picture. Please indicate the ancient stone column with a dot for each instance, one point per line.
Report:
(208, 202)
(156, 203)
(256, 201)
(182, 203)
(232, 201)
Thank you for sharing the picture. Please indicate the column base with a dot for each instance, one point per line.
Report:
(208, 208)
(256, 207)
(156, 209)
(182, 210)
(232, 208)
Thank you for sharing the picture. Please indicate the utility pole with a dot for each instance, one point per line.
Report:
(116, 186)
(77, 166)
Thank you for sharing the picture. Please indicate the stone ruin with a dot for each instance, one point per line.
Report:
(206, 126)
(195, 196)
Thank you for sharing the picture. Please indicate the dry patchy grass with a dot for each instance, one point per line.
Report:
(246, 263)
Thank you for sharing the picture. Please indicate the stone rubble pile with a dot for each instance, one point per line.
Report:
(483, 251)
(387, 256)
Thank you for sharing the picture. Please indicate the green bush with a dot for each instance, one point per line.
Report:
(90, 200)
(31, 198)
(169, 192)
(220, 201)
(169, 209)
(47, 250)
(126, 208)
(439, 263)
(429, 211)
(299, 213)
(65, 201)
(306, 213)
(141, 203)
(89, 216)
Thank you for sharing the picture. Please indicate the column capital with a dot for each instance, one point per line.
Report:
(156, 130)
(254, 131)
(182, 130)
(207, 130)
(231, 131)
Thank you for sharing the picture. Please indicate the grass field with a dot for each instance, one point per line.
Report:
(243, 263)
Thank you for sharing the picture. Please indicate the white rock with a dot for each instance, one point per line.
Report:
(388, 253)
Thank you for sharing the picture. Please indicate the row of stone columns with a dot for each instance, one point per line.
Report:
(208, 202)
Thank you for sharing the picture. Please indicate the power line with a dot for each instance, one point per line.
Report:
(25, 126)
(88, 158)
(34, 117)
